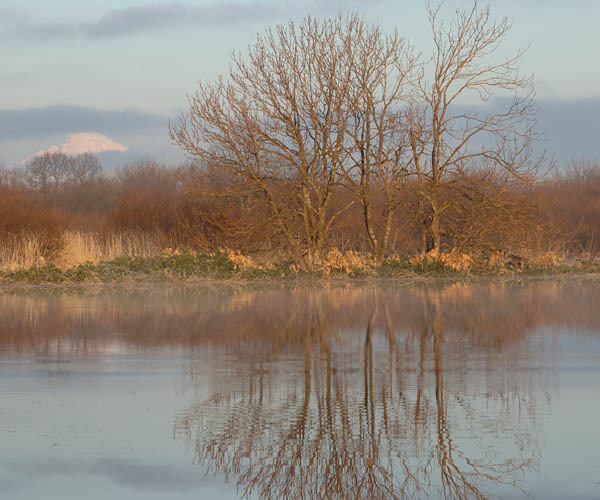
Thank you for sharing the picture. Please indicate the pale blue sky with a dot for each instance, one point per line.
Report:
(135, 61)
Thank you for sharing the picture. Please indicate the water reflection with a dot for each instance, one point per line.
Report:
(342, 393)
(400, 409)
(52, 321)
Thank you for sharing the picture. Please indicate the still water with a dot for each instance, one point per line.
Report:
(449, 391)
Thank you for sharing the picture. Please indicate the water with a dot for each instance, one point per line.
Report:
(449, 391)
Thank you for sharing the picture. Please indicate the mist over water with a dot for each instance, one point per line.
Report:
(454, 390)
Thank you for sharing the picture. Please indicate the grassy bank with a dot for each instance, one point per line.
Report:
(171, 266)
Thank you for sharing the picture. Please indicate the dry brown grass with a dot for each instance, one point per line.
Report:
(148, 208)
(27, 250)
(453, 259)
(20, 252)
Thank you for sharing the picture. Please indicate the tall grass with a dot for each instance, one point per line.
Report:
(20, 251)
(26, 250)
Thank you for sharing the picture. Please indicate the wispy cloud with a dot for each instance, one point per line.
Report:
(41, 31)
(27, 123)
(25, 131)
(133, 20)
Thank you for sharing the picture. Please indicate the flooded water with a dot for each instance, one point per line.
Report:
(449, 391)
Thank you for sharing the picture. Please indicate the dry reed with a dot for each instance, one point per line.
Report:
(26, 250)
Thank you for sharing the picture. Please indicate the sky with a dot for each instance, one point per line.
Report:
(124, 68)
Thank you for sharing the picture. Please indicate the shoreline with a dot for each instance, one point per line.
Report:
(341, 281)
(193, 269)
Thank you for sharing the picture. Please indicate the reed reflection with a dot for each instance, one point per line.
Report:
(386, 412)
(502, 314)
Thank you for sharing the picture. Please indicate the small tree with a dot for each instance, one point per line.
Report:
(9, 176)
(85, 167)
(449, 138)
(49, 170)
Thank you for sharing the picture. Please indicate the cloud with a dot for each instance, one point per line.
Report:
(571, 128)
(40, 31)
(25, 131)
(132, 20)
(28, 123)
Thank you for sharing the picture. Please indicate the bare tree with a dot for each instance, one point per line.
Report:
(326, 103)
(383, 72)
(453, 136)
(85, 167)
(48, 170)
(279, 124)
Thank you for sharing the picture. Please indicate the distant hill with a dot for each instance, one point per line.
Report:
(110, 153)
(89, 142)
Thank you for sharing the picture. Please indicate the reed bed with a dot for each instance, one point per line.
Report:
(77, 256)
(23, 251)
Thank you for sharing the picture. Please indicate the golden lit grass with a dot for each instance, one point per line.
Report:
(20, 252)
(25, 251)
(83, 247)
(455, 260)
(348, 262)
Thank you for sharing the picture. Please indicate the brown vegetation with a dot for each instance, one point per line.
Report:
(145, 207)
(329, 107)
(328, 136)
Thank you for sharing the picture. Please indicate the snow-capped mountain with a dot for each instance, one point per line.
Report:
(111, 153)
(77, 144)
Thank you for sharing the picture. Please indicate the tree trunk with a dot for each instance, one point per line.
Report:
(435, 230)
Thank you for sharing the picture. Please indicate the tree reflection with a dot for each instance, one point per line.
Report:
(300, 421)
(348, 392)
(462, 476)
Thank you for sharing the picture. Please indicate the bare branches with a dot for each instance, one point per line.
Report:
(325, 104)
(377, 137)
(52, 170)
(457, 137)
(48, 170)
(281, 119)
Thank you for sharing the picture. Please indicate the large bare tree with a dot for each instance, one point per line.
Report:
(279, 124)
(324, 104)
